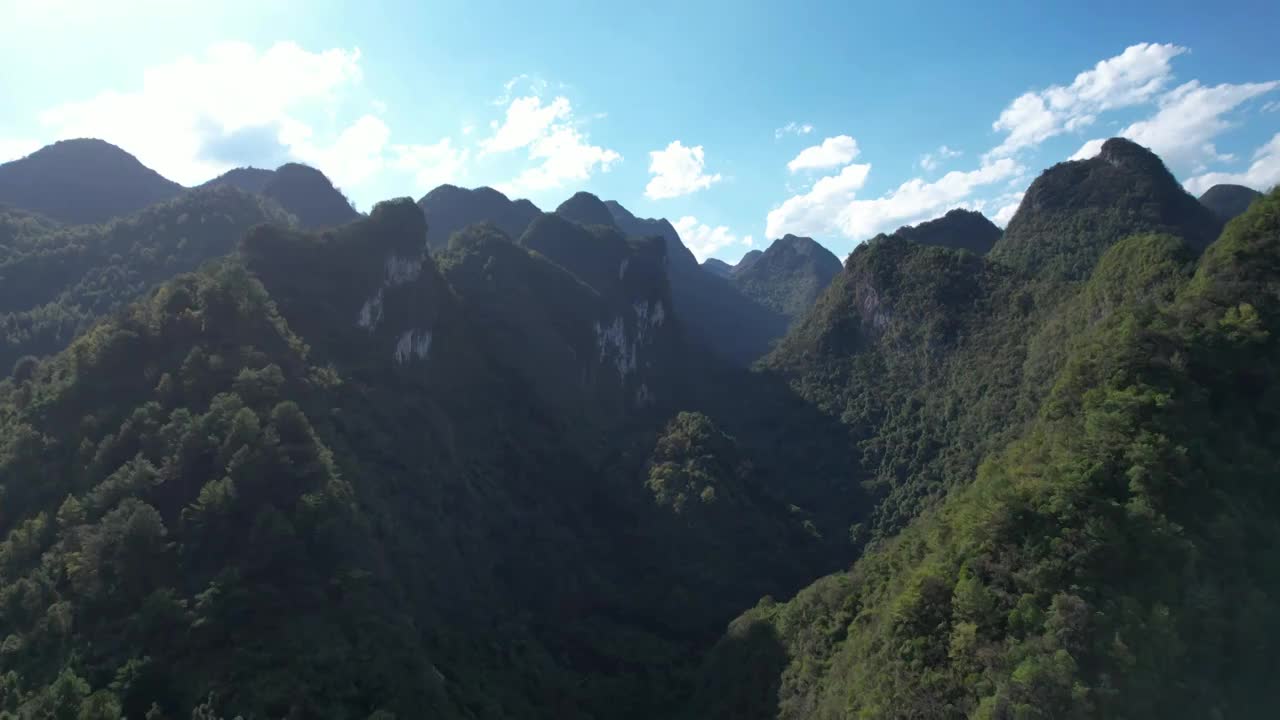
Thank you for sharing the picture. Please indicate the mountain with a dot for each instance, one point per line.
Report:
(748, 259)
(300, 189)
(923, 352)
(306, 193)
(736, 326)
(789, 276)
(954, 349)
(335, 455)
(449, 209)
(649, 227)
(718, 267)
(353, 472)
(248, 179)
(959, 229)
(586, 209)
(1064, 579)
(630, 288)
(82, 181)
(1228, 201)
(67, 278)
(1077, 209)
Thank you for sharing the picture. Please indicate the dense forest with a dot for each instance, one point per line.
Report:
(263, 456)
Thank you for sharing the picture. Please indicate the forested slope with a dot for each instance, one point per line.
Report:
(1110, 560)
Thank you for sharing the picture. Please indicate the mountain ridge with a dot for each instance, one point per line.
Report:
(1228, 201)
(789, 276)
(959, 229)
(365, 470)
(82, 181)
(1075, 210)
(449, 209)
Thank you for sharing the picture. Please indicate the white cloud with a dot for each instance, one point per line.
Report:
(533, 84)
(1008, 206)
(917, 200)
(1271, 106)
(677, 170)
(1262, 175)
(551, 135)
(704, 241)
(16, 148)
(833, 152)
(1088, 150)
(200, 115)
(814, 213)
(431, 165)
(1189, 117)
(527, 121)
(931, 161)
(1130, 78)
(832, 207)
(793, 128)
(352, 158)
(566, 155)
(233, 104)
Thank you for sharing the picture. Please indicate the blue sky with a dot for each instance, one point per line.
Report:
(737, 121)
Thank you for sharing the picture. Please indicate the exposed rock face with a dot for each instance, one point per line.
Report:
(374, 271)
(630, 277)
(864, 304)
(715, 312)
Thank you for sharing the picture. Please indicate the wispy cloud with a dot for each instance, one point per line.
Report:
(550, 135)
(1131, 78)
(930, 161)
(793, 128)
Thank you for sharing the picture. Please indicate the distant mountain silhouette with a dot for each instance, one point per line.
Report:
(738, 327)
(586, 209)
(649, 227)
(1228, 201)
(449, 209)
(249, 179)
(959, 229)
(301, 189)
(748, 259)
(82, 181)
(715, 266)
(308, 194)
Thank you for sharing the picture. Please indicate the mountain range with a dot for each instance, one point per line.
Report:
(264, 456)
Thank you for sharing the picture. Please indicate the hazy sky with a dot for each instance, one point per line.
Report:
(737, 121)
